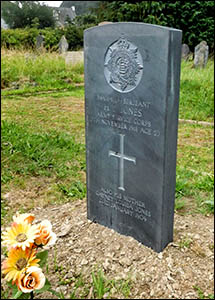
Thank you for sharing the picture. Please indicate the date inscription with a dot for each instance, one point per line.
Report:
(124, 204)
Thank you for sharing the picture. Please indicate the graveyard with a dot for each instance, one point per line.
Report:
(56, 117)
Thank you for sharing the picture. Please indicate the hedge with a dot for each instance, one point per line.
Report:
(194, 18)
(26, 38)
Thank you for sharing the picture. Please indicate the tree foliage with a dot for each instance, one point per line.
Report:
(21, 14)
(194, 18)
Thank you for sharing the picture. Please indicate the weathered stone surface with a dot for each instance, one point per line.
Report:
(185, 51)
(39, 42)
(132, 73)
(74, 57)
(201, 55)
(104, 23)
(63, 45)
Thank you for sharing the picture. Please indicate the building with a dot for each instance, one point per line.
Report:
(63, 14)
(3, 24)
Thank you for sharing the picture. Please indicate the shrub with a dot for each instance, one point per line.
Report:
(18, 38)
(26, 38)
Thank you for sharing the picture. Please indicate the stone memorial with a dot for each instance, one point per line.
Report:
(63, 45)
(132, 76)
(185, 52)
(201, 55)
(104, 23)
(39, 42)
(74, 57)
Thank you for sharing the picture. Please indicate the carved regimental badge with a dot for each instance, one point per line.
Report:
(123, 65)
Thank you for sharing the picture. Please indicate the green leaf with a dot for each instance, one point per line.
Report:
(24, 296)
(14, 288)
(17, 295)
(43, 257)
(21, 295)
(45, 288)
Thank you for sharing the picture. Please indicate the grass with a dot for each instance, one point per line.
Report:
(29, 72)
(97, 286)
(197, 92)
(194, 172)
(31, 154)
(201, 294)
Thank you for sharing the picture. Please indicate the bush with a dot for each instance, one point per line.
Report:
(26, 38)
(18, 38)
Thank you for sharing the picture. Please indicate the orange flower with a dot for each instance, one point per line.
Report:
(19, 218)
(18, 260)
(46, 236)
(31, 279)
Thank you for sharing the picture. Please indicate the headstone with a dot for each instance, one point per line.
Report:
(201, 55)
(185, 52)
(132, 74)
(63, 45)
(39, 42)
(104, 23)
(74, 57)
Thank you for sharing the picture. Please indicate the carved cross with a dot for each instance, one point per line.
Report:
(122, 157)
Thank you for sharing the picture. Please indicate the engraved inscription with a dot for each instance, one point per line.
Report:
(121, 157)
(123, 203)
(129, 115)
(123, 65)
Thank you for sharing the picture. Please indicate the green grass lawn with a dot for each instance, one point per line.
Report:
(25, 73)
(197, 92)
(43, 136)
(195, 171)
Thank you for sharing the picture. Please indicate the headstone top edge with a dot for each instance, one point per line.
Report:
(134, 23)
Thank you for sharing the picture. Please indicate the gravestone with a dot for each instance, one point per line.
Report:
(74, 57)
(63, 45)
(201, 55)
(39, 42)
(132, 74)
(104, 23)
(185, 52)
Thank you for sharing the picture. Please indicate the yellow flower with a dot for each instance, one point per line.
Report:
(18, 260)
(31, 279)
(20, 235)
(20, 218)
(46, 236)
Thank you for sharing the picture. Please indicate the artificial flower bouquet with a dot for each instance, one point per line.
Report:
(24, 262)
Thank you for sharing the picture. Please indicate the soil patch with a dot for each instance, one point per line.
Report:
(183, 270)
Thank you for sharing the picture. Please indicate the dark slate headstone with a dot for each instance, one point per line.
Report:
(132, 75)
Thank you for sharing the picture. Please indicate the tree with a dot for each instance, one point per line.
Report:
(194, 18)
(21, 14)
